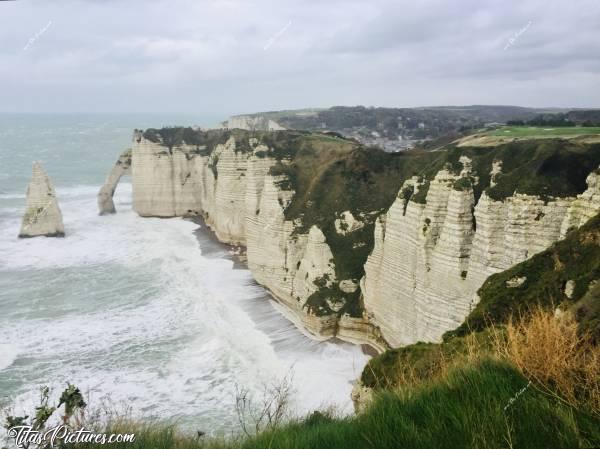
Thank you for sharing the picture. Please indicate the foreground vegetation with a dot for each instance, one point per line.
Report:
(483, 404)
(470, 408)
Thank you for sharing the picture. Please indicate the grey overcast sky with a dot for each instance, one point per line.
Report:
(235, 56)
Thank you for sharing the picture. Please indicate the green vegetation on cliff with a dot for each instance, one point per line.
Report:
(366, 181)
(575, 259)
(420, 361)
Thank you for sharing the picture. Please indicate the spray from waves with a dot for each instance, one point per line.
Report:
(128, 308)
(8, 355)
(90, 239)
(61, 192)
(12, 196)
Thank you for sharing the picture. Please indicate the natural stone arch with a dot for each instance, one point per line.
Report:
(122, 167)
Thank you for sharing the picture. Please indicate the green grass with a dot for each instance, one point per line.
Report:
(420, 361)
(466, 409)
(546, 131)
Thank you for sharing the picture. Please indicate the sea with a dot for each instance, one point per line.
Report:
(146, 316)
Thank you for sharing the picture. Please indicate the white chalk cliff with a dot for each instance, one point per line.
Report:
(244, 205)
(428, 259)
(42, 214)
(252, 123)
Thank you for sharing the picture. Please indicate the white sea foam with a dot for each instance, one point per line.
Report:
(8, 354)
(12, 196)
(128, 307)
(63, 192)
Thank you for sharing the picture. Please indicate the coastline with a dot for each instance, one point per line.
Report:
(213, 247)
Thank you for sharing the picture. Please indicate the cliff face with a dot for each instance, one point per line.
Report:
(430, 259)
(252, 123)
(232, 188)
(42, 215)
(311, 211)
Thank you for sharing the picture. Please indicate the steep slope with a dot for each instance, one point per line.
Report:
(563, 279)
(430, 258)
(558, 277)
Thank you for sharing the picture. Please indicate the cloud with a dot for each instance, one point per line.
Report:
(189, 55)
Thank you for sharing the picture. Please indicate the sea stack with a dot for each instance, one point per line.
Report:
(42, 214)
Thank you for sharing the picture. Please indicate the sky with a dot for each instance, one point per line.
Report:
(241, 56)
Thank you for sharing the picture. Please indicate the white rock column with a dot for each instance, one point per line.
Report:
(42, 215)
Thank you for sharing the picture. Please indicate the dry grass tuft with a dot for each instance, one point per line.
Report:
(551, 352)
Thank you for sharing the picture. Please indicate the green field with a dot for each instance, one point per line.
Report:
(536, 131)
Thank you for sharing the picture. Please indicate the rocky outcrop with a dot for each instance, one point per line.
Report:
(252, 123)
(361, 396)
(42, 214)
(430, 259)
(584, 207)
(347, 223)
(105, 196)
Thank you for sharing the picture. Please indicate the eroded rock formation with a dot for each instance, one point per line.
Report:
(430, 255)
(42, 214)
(105, 196)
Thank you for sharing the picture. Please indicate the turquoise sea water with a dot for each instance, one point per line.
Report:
(136, 311)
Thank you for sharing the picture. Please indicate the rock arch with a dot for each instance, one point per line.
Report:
(105, 195)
